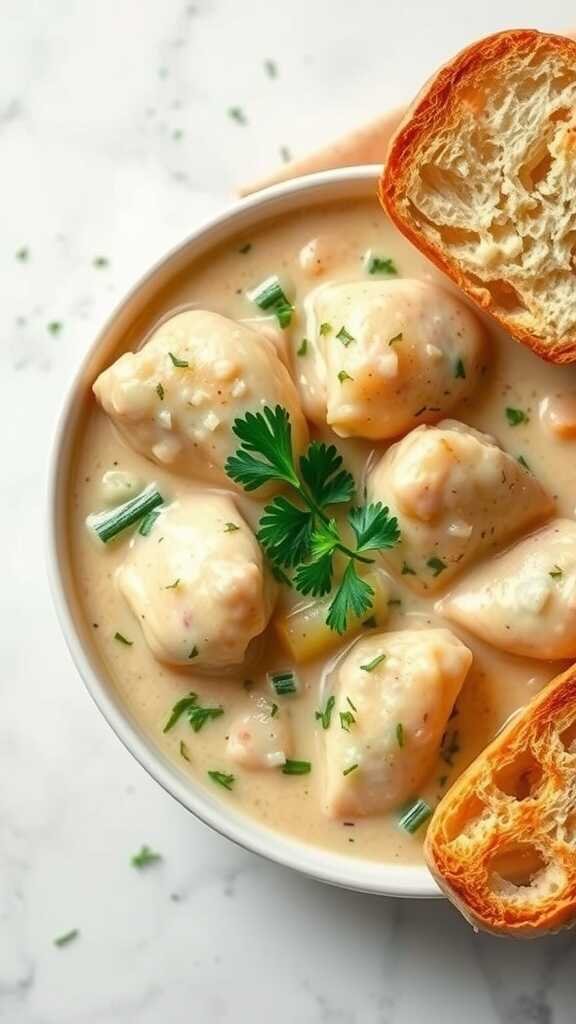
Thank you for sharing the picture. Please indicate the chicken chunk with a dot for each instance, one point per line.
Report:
(202, 594)
(523, 601)
(387, 356)
(176, 399)
(261, 737)
(456, 494)
(394, 693)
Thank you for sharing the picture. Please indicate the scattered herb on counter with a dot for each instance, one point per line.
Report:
(22, 254)
(145, 857)
(516, 416)
(122, 639)
(160, 392)
(111, 522)
(407, 570)
(396, 338)
(245, 248)
(184, 752)
(344, 376)
(177, 134)
(230, 528)
(237, 114)
(64, 940)
(400, 735)
(325, 329)
(271, 68)
(459, 370)
(381, 265)
(283, 683)
(222, 779)
(285, 154)
(414, 816)
(371, 665)
(325, 716)
(344, 336)
(307, 537)
(172, 586)
(436, 565)
(303, 347)
(54, 327)
(181, 364)
(346, 720)
(269, 295)
(348, 771)
(100, 262)
(556, 573)
(296, 768)
(196, 714)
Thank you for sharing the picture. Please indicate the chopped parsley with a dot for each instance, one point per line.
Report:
(177, 134)
(173, 586)
(346, 720)
(436, 565)
(371, 665)
(345, 337)
(396, 338)
(182, 364)
(122, 639)
(459, 370)
(230, 528)
(222, 779)
(303, 347)
(516, 416)
(22, 254)
(237, 114)
(100, 262)
(271, 68)
(348, 771)
(196, 714)
(325, 329)
(343, 376)
(296, 768)
(381, 265)
(54, 327)
(160, 392)
(63, 940)
(145, 857)
(556, 573)
(325, 716)
(400, 735)
(285, 154)
(184, 752)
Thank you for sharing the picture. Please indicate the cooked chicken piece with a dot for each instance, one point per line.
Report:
(261, 737)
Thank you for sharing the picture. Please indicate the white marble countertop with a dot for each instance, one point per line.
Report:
(115, 141)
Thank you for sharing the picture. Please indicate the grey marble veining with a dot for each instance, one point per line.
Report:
(115, 141)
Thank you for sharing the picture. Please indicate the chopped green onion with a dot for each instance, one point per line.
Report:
(182, 364)
(230, 527)
(184, 751)
(296, 768)
(371, 665)
(516, 416)
(459, 370)
(108, 524)
(436, 565)
(144, 857)
(400, 735)
(325, 329)
(381, 265)
(326, 715)
(122, 639)
(348, 771)
(283, 313)
(345, 337)
(303, 348)
(342, 376)
(270, 295)
(415, 815)
(283, 682)
(346, 720)
(227, 781)
(63, 940)
(148, 522)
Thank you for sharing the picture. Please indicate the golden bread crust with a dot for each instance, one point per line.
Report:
(502, 842)
(437, 107)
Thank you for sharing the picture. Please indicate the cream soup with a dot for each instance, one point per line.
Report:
(324, 257)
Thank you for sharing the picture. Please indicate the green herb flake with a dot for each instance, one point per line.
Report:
(325, 716)
(381, 265)
(177, 134)
(296, 767)
(346, 720)
(271, 68)
(436, 565)
(556, 573)
(230, 528)
(54, 327)
(414, 816)
(184, 752)
(237, 114)
(160, 392)
(173, 586)
(400, 735)
(303, 347)
(245, 248)
(343, 376)
(193, 653)
(348, 771)
(345, 337)
(148, 521)
(122, 639)
(23, 254)
(285, 154)
(182, 364)
(395, 339)
(64, 940)
(371, 665)
(145, 857)
(273, 710)
(523, 462)
(100, 262)
(459, 370)
(222, 779)
(325, 329)
(516, 416)
(197, 715)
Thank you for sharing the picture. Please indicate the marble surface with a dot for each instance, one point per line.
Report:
(114, 141)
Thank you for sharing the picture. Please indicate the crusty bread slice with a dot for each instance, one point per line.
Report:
(481, 176)
(502, 842)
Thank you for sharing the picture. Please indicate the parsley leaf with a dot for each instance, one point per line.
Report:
(374, 527)
(315, 577)
(285, 532)
(353, 595)
(269, 434)
(321, 470)
(145, 857)
(325, 539)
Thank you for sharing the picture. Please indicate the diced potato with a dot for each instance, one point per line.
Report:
(303, 630)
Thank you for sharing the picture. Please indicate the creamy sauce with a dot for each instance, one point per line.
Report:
(316, 246)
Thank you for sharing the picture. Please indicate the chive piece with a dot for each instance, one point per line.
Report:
(381, 265)
(407, 570)
(342, 376)
(415, 815)
(371, 665)
(184, 752)
(325, 329)
(283, 313)
(22, 254)
(325, 716)
(400, 735)
(173, 586)
(283, 683)
(182, 364)
(353, 706)
(197, 715)
(523, 462)
(436, 565)
(346, 720)
(348, 771)
(273, 711)
(515, 416)
(227, 781)
(397, 337)
(145, 857)
(268, 294)
(193, 653)
(459, 370)
(303, 347)
(296, 768)
(230, 528)
(54, 327)
(100, 262)
(160, 392)
(108, 524)
(271, 68)
(237, 114)
(122, 639)
(63, 940)
(556, 573)
(148, 522)
(245, 248)
(345, 337)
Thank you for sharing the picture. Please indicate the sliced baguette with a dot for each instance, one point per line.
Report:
(481, 176)
(502, 842)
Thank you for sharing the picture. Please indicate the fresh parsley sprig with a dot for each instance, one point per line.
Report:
(304, 537)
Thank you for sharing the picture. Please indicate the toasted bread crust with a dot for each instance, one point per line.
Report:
(518, 796)
(438, 104)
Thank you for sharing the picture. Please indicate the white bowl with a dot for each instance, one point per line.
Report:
(351, 873)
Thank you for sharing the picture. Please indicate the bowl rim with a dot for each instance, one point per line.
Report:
(324, 865)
